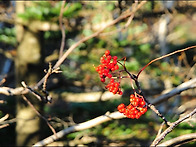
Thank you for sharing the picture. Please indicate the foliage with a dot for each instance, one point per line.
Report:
(7, 36)
(46, 11)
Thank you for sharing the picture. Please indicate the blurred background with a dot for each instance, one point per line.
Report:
(30, 38)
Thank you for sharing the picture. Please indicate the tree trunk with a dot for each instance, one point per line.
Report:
(28, 68)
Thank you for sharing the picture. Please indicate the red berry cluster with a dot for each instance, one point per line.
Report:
(135, 109)
(114, 87)
(105, 69)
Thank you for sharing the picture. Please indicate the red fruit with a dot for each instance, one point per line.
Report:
(115, 57)
(109, 57)
(137, 116)
(132, 96)
(116, 84)
(129, 107)
(116, 67)
(121, 106)
(122, 110)
(107, 52)
(114, 62)
(142, 103)
(102, 79)
(109, 75)
(111, 80)
(132, 116)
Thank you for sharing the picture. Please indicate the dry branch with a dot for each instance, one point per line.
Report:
(82, 126)
(13, 91)
(179, 140)
(182, 87)
(172, 126)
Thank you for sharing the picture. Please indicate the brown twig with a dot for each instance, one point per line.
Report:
(62, 27)
(36, 94)
(29, 103)
(164, 56)
(48, 73)
(2, 81)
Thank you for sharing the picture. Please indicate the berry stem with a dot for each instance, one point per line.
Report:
(152, 107)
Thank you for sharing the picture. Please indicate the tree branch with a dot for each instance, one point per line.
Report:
(182, 87)
(172, 126)
(81, 126)
(179, 140)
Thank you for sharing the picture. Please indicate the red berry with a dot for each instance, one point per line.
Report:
(111, 80)
(116, 67)
(102, 79)
(115, 57)
(109, 75)
(132, 96)
(109, 57)
(114, 62)
(142, 103)
(107, 52)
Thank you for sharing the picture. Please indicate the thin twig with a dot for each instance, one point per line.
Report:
(4, 118)
(36, 94)
(164, 56)
(160, 129)
(2, 81)
(29, 103)
(48, 73)
(180, 88)
(3, 126)
(62, 27)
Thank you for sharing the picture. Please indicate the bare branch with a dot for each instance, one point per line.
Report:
(62, 29)
(172, 126)
(82, 126)
(179, 140)
(36, 94)
(164, 56)
(29, 103)
(13, 91)
(4, 118)
(184, 86)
